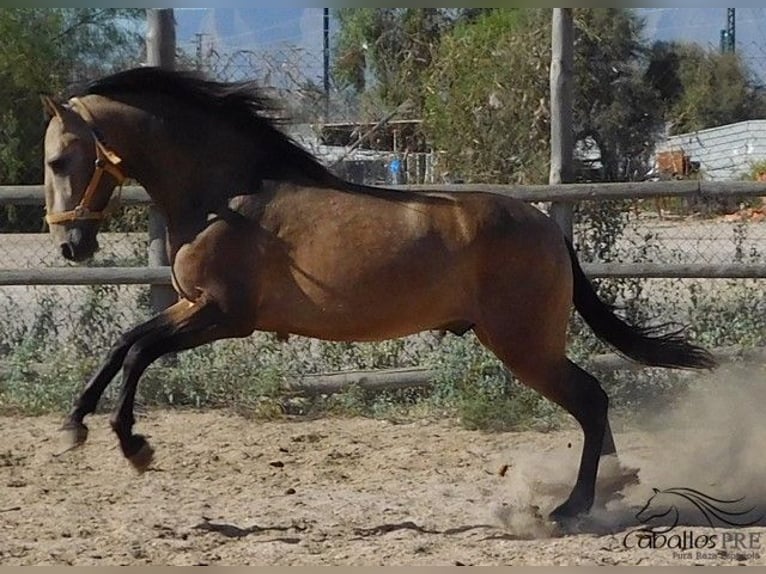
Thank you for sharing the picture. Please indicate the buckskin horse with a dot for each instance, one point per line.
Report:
(261, 236)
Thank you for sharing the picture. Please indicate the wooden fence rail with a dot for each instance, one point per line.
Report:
(574, 192)
(133, 195)
(161, 275)
(397, 379)
(418, 377)
(86, 276)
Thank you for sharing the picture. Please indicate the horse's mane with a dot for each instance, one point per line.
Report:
(241, 104)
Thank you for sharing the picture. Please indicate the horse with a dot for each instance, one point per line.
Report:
(262, 237)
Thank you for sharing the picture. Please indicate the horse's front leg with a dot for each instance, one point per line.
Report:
(187, 325)
(91, 394)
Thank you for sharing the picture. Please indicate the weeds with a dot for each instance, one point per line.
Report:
(40, 374)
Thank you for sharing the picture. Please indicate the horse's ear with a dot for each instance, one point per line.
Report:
(51, 107)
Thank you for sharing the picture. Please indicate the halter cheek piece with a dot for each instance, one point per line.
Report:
(106, 162)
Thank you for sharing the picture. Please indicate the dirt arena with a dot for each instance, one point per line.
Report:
(231, 491)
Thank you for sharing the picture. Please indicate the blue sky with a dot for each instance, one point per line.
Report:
(703, 25)
(270, 29)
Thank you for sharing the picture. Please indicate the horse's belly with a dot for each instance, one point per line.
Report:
(366, 310)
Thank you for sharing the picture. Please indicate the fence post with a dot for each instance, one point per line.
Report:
(562, 144)
(326, 61)
(160, 51)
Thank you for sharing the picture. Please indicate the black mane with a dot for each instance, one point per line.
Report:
(242, 104)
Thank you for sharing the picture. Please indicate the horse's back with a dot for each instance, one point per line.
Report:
(339, 264)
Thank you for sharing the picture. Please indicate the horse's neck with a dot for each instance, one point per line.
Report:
(185, 220)
(182, 228)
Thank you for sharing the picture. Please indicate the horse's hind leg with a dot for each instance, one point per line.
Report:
(608, 447)
(582, 396)
(188, 325)
(537, 358)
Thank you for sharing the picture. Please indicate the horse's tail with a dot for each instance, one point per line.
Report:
(647, 345)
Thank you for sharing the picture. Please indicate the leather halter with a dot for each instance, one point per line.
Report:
(106, 162)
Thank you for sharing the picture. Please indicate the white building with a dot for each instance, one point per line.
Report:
(724, 152)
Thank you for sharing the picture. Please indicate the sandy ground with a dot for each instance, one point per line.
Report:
(228, 490)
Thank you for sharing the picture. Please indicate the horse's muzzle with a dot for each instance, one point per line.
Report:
(78, 246)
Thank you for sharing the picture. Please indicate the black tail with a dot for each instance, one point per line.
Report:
(646, 345)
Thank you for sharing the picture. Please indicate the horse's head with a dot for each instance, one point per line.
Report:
(659, 505)
(80, 175)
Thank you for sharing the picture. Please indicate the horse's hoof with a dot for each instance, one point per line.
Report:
(76, 433)
(568, 515)
(139, 452)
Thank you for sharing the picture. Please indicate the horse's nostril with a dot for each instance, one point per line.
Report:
(67, 251)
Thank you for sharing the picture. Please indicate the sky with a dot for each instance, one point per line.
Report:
(271, 29)
(704, 25)
(286, 33)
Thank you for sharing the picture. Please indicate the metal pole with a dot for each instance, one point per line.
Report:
(160, 51)
(731, 29)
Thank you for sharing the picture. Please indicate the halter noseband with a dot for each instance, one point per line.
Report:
(106, 162)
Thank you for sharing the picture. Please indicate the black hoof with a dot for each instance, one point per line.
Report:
(569, 513)
(76, 433)
(138, 451)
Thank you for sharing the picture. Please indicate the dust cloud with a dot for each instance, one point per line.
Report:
(711, 439)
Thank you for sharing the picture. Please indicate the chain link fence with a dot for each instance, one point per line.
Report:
(90, 316)
(666, 230)
(721, 312)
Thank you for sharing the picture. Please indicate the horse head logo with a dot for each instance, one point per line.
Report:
(663, 511)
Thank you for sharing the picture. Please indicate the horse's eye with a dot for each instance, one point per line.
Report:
(59, 164)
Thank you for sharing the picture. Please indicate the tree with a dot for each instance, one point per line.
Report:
(486, 106)
(615, 108)
(488, 95)
(384, 53)
(702, 88)
(662, 73)
(50, 50)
